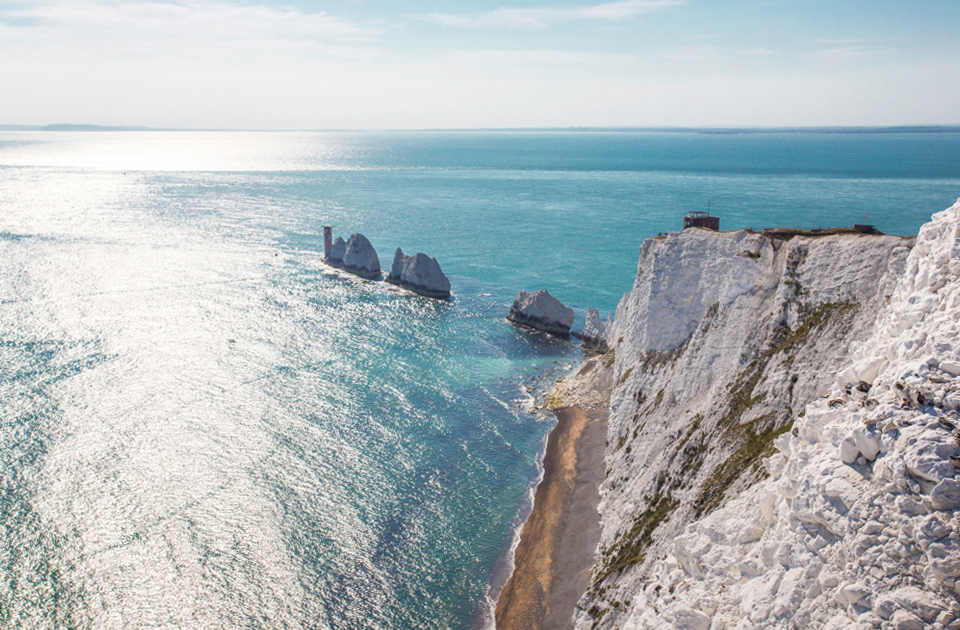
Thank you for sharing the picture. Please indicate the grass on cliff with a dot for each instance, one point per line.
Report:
(786, 234)
(631, 547)
(608, 358)
(753, 440)
(756, 442)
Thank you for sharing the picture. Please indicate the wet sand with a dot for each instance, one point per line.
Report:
(556, 550)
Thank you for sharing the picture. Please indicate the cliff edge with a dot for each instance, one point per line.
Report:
(780, 435)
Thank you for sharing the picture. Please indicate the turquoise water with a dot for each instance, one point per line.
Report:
(201, 428)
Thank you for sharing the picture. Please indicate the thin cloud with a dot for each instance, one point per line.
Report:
(848, 51)
(849, 48)
(500, 59)
(542, 17)
(207, 20)
(844, 42)
(693, 53)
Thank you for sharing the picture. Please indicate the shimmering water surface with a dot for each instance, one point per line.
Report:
(200, 428)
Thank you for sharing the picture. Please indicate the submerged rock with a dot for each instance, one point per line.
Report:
(542, 311)
(360, 258)
(337, 252)
(595, 331)
(420, 274)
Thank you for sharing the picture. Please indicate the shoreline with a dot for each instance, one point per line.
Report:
(505, 563)
(556, 551)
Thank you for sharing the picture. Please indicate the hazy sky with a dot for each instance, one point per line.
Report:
(437, 63)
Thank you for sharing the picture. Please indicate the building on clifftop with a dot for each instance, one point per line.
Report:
(701, 219)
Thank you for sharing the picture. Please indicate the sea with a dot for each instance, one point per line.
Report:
(202, 427)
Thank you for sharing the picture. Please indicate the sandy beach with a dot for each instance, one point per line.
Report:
(556, 549)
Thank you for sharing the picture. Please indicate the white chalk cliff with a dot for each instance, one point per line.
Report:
(783, 435)
(542, 311)
(420, 274)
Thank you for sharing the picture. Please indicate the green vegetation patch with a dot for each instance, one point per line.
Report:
(751, 441)
(754, 440)
(792, 340)
(629, 550)
(785, 234)
(610, 356)
(652, 359)
(639, 397)
(653, 405)
(757, 438)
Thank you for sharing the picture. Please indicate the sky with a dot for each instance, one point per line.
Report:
(398, 64)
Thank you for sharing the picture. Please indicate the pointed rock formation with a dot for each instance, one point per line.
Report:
(595, 331)
(337, 252)
(542, 311)
(360, 258)
(420, 274)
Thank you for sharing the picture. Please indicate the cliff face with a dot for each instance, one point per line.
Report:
(727, 501)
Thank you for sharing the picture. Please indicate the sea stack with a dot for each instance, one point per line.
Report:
(542, 311)
(337, 252)
(595, 331)
(420, 274)
(360, 258)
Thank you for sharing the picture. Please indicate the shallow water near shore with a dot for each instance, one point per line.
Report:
(201, 428)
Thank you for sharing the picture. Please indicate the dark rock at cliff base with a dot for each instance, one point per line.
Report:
(542, 311)
(420, 274)
(360, 258)
(337, 252)
(595, 331)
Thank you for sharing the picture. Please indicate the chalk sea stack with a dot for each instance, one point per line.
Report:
(360, 258)
(420, 274)
(595, 331)
(542, 311)
(337, 252)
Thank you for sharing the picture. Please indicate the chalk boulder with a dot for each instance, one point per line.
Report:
(337, 252)
(420, 274)
(595, 331)
(946, 495)
(542, 311)
(360, 258)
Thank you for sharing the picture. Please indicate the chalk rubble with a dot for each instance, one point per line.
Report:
(842, 355)
(420, 274)
(360, 258)
(542, 311)
(595, 331)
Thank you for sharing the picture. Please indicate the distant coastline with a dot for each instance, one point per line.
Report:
(77, 127)
(841, 130)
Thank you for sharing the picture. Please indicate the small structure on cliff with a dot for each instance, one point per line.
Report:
(420, 274)
(701, 219)
(542, 311)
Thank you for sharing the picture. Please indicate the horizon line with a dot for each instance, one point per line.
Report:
(932, 128)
